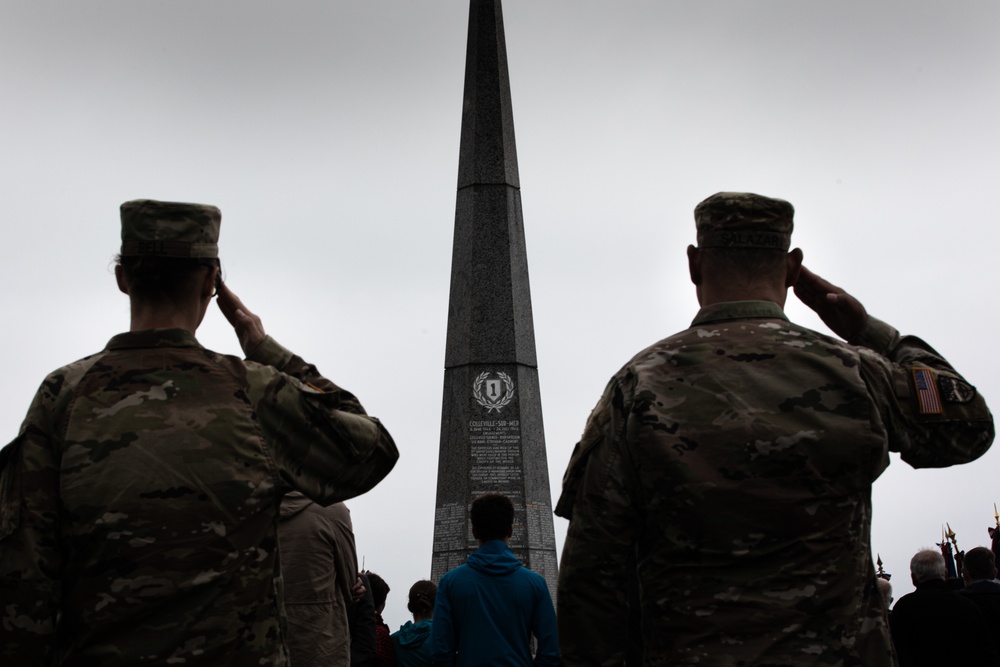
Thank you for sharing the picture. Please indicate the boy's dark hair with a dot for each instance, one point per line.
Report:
(380, 589)
(492, 517)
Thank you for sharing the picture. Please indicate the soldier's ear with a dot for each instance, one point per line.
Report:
(210, 284)
(694, 264)
(793, 267)
(120, 278)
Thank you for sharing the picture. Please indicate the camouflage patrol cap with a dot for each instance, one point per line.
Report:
(169, 229)
(744, 220)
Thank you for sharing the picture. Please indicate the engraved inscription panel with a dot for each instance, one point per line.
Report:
(449, 527)
(495, 457)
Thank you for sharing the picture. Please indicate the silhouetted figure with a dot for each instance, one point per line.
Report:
(139, 502)
(934, 625)
(361, 618)
(980, 572)
(384, 656)
(730, 465)
(885, 588)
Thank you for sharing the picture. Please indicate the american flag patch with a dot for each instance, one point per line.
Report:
(928, 399)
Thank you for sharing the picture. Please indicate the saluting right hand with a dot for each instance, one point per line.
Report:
(249, 329)
(840, 311)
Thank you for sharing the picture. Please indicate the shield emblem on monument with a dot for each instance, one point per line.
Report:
(494, 389)
(493, 393)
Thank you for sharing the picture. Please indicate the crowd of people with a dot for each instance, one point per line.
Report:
(490, 611)
(947, 620)
(163, 504)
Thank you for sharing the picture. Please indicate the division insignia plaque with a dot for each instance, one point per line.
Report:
(493, 393)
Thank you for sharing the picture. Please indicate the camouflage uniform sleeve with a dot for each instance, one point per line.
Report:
(932, 416)
(324, 443)
(29, 539)
(597, 564)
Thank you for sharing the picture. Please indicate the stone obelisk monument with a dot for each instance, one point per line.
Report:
(491, 421)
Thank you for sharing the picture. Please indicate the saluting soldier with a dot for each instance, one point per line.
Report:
(732, 464)
(138, 522)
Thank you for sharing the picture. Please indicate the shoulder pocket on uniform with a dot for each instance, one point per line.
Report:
(10, 487)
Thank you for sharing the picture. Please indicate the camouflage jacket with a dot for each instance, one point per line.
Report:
(139, 503)
(729, 467)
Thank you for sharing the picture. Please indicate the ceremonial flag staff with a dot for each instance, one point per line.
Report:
(995, 534)
(949, 558)
(882, 574)
(959, 555)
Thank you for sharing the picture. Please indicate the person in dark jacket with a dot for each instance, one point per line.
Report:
(487, 610)
(384, 656)
(361, 619)
(934, 625)
(410, 643)
(979, 571)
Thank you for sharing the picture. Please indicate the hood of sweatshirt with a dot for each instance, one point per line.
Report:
(293, 503)
(494, 558)
(413, 635)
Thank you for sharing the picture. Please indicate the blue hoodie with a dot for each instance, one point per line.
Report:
(486, 611)
(411, 646)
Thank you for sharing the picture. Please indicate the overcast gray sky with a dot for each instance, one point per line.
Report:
(327, 132)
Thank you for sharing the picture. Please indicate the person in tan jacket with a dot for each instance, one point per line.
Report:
(319, 565)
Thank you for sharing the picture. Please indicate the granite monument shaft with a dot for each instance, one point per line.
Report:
(491, 424)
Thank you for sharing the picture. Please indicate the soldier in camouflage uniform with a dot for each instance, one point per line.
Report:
(139, 503)
(734, 461)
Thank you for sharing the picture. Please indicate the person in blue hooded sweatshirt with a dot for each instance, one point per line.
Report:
(410, 643)
(487, 610)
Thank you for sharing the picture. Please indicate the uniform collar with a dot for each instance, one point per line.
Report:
(153, 338)
(739, 310)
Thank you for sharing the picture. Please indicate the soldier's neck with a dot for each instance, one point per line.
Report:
(187, 317)
(710, 293)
